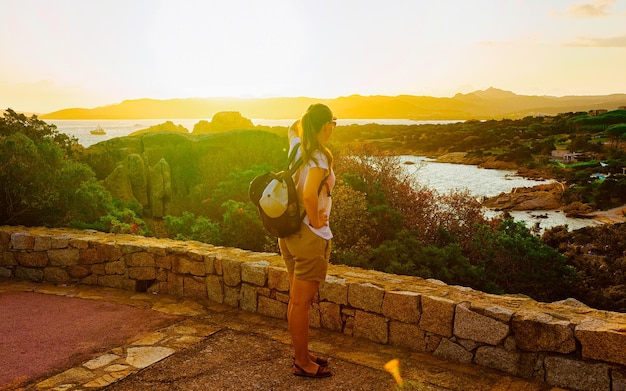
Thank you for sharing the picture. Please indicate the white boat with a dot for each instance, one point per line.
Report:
(98, 130)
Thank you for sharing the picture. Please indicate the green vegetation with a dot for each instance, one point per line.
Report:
(381, 218)
(42, 184)
(525, 144)
(599, 256)
(400, 227)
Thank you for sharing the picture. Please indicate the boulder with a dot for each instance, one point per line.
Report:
(167, 126)
(118, 184)
(138, 177)
(222, 122)
(160, 191)
(540, 197)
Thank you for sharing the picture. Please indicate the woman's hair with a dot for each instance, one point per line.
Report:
(311, 123)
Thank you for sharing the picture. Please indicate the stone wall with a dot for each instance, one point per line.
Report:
(564, 344)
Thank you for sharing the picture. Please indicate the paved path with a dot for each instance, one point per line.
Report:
(41, 334)
(207, 346)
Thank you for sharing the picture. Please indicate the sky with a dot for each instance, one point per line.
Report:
(58, 54)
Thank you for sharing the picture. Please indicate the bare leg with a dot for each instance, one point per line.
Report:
(302, 293)
(312, 357)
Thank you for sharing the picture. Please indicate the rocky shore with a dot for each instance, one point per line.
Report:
(492, 163)
(540, 197)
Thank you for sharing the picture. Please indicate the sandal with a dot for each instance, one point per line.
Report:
(321, 372)
(321, 361)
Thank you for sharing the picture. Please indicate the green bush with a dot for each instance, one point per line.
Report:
(518, 262)
(190, 227)
(407, 255)
(351, 226)
(598, 254)
(42, 185)
(242, 227)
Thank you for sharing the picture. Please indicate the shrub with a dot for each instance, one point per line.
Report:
(409, 229)
(519, 262)
(190, 227)
(597, 253)
(42, 185)
(242, 228)
(407, 255)
(351, 224)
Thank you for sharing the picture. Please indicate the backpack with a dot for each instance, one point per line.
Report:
(274, 194)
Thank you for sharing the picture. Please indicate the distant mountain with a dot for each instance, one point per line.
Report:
(491, 103)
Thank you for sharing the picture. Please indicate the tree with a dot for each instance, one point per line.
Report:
(616, 133)
(41, 185)
(36, 130)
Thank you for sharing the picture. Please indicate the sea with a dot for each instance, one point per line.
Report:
(81, 129)
(443, 177)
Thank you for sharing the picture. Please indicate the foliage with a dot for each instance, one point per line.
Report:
(230, 213)
(381, 218)
(198, 163)
(616, 133)
(519, 262)
(42, 185)
(602, 121)
(190, 227)
(121, 218)
(611, 192)
(407, 255)
(448, 238)
(242, 227)
(234, 187)
(508, 259)
(36, 130)
(351, 225)
(598, 254)
(393, 199)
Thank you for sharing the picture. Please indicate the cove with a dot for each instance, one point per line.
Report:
(484, 182)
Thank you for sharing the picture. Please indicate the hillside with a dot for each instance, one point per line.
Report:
(488, 104)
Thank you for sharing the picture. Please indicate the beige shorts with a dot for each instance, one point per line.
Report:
(306, 255)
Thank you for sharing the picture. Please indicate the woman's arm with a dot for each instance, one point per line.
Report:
(310, 197)
(293, 130)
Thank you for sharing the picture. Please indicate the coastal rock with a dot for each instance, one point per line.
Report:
(160, 188)
(189, 167)
(118, 184)
(167, 126)
(222, 122)
(138, 179)
(540, 197)
(130, 181)
(577, 209)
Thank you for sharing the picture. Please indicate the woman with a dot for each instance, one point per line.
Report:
(306, 252)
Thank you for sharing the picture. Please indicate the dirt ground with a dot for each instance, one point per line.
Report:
(232, 360)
